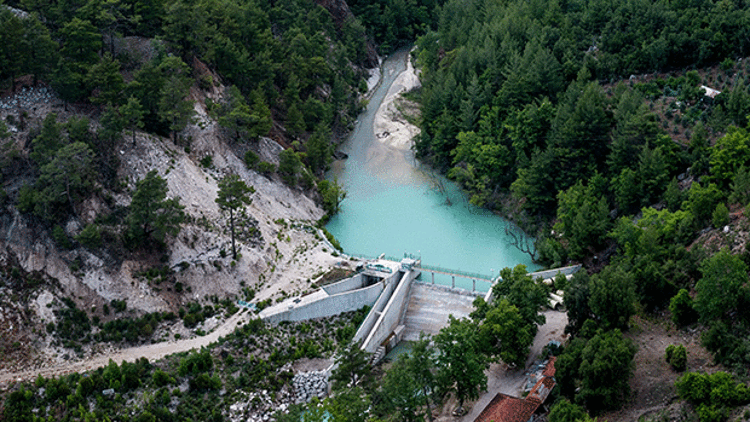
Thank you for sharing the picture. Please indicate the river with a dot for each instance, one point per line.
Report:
(394, 205)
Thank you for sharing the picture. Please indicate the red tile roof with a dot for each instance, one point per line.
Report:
(504, 408)
(549, 370)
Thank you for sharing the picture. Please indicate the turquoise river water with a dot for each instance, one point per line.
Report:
(395, 206)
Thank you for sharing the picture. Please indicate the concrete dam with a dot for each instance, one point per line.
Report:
(401, 307)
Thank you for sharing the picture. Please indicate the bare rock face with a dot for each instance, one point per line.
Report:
(339, 10)
(277, 249)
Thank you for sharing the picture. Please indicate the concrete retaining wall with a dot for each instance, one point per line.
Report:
(553, 272)
(372, 317)
(391, 315)
(351, 283)
(331, 305)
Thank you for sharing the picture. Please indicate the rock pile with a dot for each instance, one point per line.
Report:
(310, 384)
(27, 98)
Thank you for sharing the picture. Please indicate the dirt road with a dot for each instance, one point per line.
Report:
(151, 352)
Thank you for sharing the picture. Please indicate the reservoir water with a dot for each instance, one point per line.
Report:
(394, 205)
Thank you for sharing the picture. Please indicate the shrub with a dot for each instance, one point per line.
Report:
(119, 305)
(251, 159)
(681, 307)
(58, 234)
(676, 356)
(160, 378)
(266, 168)
(720, 216)
(90, 237)
(207, 161)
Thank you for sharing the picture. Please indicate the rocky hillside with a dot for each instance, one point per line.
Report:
(280, 251)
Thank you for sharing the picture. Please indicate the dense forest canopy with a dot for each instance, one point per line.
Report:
(517, 95)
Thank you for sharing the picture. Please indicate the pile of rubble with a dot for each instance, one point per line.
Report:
(27, 98)
(310, 384)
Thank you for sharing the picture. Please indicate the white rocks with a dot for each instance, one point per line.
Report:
(310, 384)
(27, 98)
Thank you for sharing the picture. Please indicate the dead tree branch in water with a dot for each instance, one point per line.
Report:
(516, 237)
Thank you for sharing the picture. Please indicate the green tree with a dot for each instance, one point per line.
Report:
(505, 334)
(319, 149)
(78, 129)
(605, 371)
(106, 80)
(459, 360)
(523, 292)
(235, 114)
(81, 42)
(722, 290)
(402, 391)
(233, 194)
(132, 115)
(582, 219)
(729, 154)
(12, 52)
(289, 166)
(350, 405)
(332, 194)
(66, 178)
(681, 308)
(41, 51)
(565, 411)
(673, 195)
(353, 369)
(260, 114)
(576, 300)
(49, 140)
(174, 107)
(612, 298)
(90, 236)
(702, 201)
(295, 121)
(720, 216)
(676, 356)
(152, 215)
(740, 187)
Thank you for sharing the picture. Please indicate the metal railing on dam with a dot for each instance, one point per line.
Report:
(457, 273)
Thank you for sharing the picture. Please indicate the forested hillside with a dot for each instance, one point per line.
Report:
(589, 123)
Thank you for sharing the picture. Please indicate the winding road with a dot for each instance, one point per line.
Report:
(151, 352)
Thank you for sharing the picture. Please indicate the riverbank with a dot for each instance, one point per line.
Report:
(390, 126)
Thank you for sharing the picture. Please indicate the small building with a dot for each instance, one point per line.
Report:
(505, 408)
(710, 92)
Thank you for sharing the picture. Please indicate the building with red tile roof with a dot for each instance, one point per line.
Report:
(505, 408)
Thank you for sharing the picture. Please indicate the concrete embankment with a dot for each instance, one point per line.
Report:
(347, 295)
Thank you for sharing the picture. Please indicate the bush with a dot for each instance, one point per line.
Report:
(119, 305)
(62, 240)
(266, 168)
(720, 216)
(676, 356)
(251, 159)
(90, 237)
(681, 307)
(161, 378)
(711, 394)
